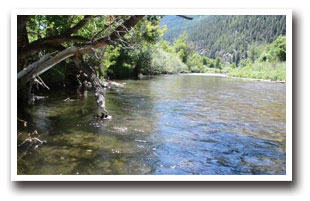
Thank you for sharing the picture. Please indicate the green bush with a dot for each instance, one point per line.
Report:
(276, 51)
(195, 63)
(210, 63)
(164, 62)
(218, 63)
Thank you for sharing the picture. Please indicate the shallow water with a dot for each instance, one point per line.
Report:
(176, 124)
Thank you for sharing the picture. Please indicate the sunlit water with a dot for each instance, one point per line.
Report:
(177, 124)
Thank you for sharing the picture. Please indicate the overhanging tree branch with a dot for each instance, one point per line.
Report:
(47, 62)
(44, 64)
(34, 70)
(185, 17)
(48, 43)
(52, 41)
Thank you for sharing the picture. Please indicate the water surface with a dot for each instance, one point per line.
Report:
(176, 124)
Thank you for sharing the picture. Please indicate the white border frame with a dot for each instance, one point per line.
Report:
(164, 11)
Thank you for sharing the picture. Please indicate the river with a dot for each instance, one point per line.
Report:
(165, 125)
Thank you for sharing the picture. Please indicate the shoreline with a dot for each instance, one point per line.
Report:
(207, 74)
(257, 79)
(241, 78)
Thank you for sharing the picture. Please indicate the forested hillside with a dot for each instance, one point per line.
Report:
(228, 37)
(177, 25)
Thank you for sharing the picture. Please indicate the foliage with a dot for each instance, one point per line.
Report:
(226, 69)
(42, 26)
(130, 62)
(177, 25)
(124, 64)
(245, 62)
(254, 51)
(144, 63)
(165, 63)
(133, 54)
(211, 70)
(210, 63)
(276, 51)
(165, 45)
(218, 45)
(109, 58)
(148, 30)
(218, 63)
(254, 66)
(195, 63)
(182, 48)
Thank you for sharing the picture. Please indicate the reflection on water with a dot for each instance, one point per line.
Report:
(178, 124)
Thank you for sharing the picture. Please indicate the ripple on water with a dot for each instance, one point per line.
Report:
(165, 125)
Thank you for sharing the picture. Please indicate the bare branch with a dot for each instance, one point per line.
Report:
(41, 82)
(23, 121)
(78, 26)
(31, 67)
(185, 17)
(52, 42)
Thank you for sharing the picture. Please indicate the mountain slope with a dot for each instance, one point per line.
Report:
(177, 25)
(226, 36)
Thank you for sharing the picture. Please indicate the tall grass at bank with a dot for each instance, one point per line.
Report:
(275, 71)
(211, 70)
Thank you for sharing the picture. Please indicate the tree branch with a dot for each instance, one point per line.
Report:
(53, 41)
(185, 17)
(78, 26)
(44, 64)
(120, 31)
(96, 85)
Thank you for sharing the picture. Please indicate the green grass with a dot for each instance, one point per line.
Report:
(261, 70)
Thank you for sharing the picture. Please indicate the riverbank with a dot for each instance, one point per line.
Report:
(256, 79)
(241, 78)
(274, 71)
(208, 74)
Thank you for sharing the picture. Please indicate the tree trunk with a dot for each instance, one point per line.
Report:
(96, 85)
(22, 37)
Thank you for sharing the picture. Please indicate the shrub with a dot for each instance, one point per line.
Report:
(276, 51)
(165, 62)
(195, 63)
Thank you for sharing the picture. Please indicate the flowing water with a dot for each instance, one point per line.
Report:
(176, 124)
